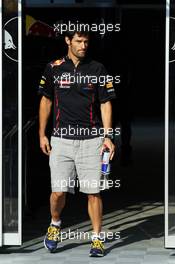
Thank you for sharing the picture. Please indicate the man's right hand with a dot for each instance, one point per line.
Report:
(44, 145)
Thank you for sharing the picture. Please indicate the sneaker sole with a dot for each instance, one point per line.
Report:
(96, 255)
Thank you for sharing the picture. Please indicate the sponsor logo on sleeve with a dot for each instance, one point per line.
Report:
(109, 85)
(42, 82)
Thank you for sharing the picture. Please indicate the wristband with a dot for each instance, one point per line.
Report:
(108, 136)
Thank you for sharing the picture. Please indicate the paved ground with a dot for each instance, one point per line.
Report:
(141, 241)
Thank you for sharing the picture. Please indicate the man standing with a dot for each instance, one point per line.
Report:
(81, 108)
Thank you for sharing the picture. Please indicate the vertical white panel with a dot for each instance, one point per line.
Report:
(167, 117)
(14, 238)
(20, 121)
(0, 123)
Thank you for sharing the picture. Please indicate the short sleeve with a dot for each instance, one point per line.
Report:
(106, 89)
(46, 86)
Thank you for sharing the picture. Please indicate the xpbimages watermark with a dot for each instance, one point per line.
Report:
(84, 79)
(103, 183)
(85, 131)
(102, 28)
(87, 235)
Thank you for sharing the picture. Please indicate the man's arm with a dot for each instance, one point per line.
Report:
(106, 114)
(44, 113)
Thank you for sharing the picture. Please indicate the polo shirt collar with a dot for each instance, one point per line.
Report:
(84, 60)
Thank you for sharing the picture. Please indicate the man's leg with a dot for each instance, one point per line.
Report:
(57, 203)
(88, 165)
(95, 208)
(95, 213)
(62, 168)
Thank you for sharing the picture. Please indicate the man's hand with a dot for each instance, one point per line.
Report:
(44, 145)
(108, 144)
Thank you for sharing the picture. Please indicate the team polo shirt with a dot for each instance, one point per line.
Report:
(77, 93)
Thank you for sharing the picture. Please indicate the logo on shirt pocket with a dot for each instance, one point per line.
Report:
(65, 81)
(89, 87)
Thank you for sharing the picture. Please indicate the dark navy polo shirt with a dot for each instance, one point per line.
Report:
(77, 93)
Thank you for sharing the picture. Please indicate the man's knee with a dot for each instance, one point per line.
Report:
(57, 195)
(94, 196)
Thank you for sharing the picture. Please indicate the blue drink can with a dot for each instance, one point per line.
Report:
(105, 168)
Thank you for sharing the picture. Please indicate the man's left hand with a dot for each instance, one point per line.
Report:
(108, 144)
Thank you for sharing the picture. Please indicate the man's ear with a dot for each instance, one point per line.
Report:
(67, 40)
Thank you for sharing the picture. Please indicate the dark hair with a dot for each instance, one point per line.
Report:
(78, 29)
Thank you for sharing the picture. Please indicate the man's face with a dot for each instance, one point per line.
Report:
(78, 45)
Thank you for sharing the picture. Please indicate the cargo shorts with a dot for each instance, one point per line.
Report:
(76, 163)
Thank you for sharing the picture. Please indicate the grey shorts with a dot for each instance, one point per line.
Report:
(69, 158)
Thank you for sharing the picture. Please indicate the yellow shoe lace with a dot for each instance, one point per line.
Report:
(97, 244)
(53, 233)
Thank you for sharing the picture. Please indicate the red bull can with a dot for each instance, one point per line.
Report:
(105, 168)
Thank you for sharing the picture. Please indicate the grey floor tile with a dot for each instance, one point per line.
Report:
(133, 252)
(170, 261)
(128, 260)
(156, 259)
(5, 261)
(101, 261)
(153, 262)
(157, 252)
(51, 261)
(76, 262)
(24, 261)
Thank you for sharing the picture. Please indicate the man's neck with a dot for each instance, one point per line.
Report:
(73, 58)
